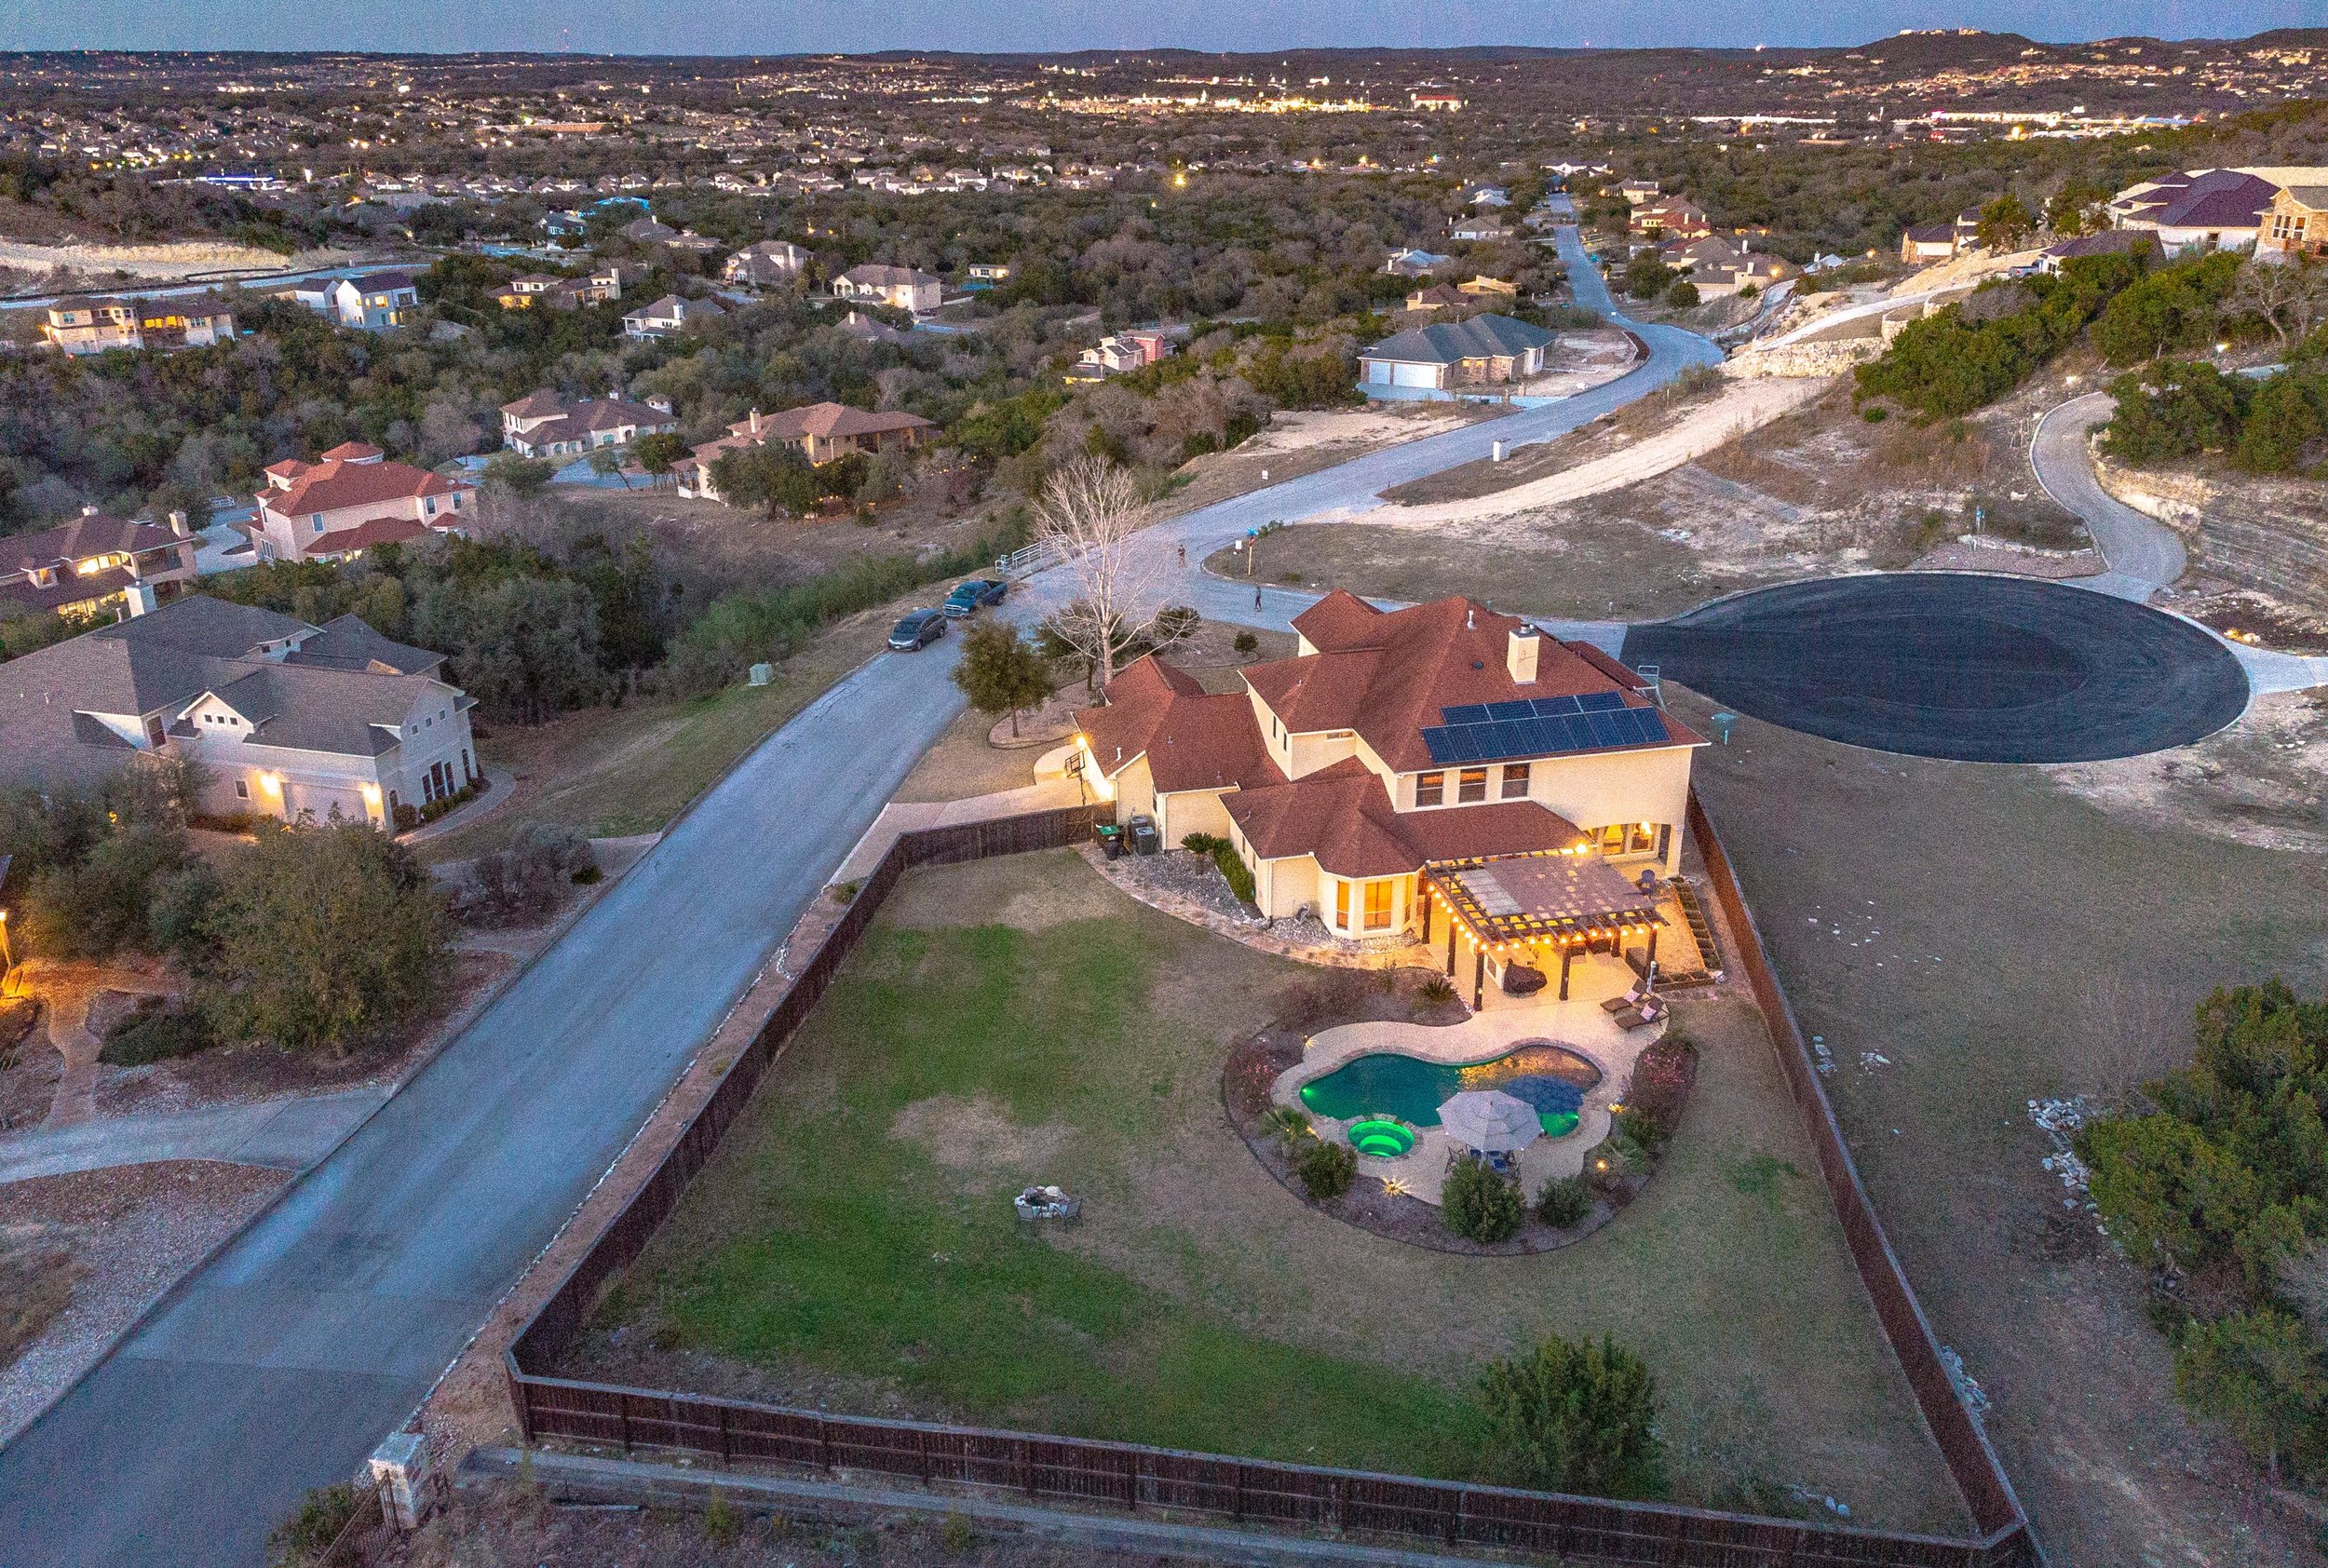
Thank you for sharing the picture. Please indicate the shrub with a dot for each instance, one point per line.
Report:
(1659, 1089)
(1233, 869)
(1564, 1201)
(1481, 1205)
(156, 1032)
(1682, 295)
(303, 1538)
(719, 1525)
(1245, 642)
(1578, 1418)
(1326, 1167)
(519, 885)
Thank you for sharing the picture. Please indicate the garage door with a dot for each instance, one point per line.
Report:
(1378, 371)
(317, 800)
(1415, 375)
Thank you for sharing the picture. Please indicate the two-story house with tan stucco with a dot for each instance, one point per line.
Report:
(1438, 758)
(352, 499)
(279, 717)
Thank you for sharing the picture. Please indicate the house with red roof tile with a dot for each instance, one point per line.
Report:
(352, 499)
(1404, 761)
(823, 432)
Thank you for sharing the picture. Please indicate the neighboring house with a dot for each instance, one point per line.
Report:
(1436, 102)
(1479, 231)
(669, 317)
(1928, 242)
(1119, 353)
(1715, 267)
(2106, 243)
(1485, 350)
(1415, 264)
(373, 303)
(548, 292)
(1636, 192)
(1439, 296)
(2202, 210)
(351, 500)
(899, 287)
(765, 264)
(93, 564)
(282, 718)
(1487, 196)
(649, 231)
(1673, 218)
(989, 272)
(865, 328)
(545, 425)
(81, 324)
(1489, 288)
(822, 431)
(2297, 222)
(1399, 752)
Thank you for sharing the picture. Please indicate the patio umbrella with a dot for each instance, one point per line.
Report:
(1490, 1121)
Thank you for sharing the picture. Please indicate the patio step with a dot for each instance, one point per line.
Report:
(1700, 926)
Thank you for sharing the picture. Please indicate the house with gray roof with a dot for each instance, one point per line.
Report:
(1448, 355)
(278, 717)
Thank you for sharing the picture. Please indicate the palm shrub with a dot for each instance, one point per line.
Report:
(1480, 1204)
(1577, 1418)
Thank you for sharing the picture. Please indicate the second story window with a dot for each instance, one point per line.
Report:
(1471, 785)
(1431, 789)
(1515, 782)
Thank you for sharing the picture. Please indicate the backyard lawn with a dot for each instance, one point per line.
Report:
(1968, 938)
(1019, 1019)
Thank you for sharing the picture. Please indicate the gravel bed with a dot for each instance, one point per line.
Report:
(1191, 876)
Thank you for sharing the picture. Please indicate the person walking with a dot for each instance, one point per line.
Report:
(1183, 556)
(1256, 598)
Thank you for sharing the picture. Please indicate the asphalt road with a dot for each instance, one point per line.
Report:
(279, 1365)
(2143, 555)
(1953, 665)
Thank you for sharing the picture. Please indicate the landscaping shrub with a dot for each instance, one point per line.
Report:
(1682, 295)
(1245, 642)
(1659, 1089)
(1436, 989)
(1969, 355)
(303, 1538)
(1564, 1201)
(1233, 869)
(1481, 1205)
(2222, 1180)
(1578, 1418)
(156, 1031)
(1326, 1167)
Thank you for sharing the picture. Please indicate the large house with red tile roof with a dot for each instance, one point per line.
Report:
(352, 499)
(822, 431)
(1403, 760)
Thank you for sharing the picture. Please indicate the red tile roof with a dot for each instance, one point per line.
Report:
(371, 531)
(353, 452)
(332, 485)
(1192, 740)
(1387, 674)
(1344, 817)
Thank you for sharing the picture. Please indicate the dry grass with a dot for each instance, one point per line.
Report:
(36, 1279)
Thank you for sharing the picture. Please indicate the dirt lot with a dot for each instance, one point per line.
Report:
(1965, 939)
(953, 1062)
(120, 1237)
(1817, 491)
(1301, 443)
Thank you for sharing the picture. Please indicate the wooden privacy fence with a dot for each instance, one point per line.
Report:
(1250, 1491)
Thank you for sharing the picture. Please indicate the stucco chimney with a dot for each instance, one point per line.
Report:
(755, 422)
(1520, 653)
(177, 524)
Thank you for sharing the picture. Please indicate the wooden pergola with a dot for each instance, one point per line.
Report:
(1511, 905)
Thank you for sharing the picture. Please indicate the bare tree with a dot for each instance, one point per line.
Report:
(1090, 516)
(2291, 294)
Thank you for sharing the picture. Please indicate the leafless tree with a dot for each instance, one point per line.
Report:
(1090, 516)
(2291, 294)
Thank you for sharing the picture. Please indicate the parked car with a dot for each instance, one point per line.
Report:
(919, 628)
(975, 595)
(1141, 830)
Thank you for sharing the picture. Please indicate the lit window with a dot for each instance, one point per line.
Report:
(1471, 785)
(1342, 904)
(1431, 789)
(1378, 906)
(1515, 782)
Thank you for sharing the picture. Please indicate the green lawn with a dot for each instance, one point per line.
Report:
(854, 1237)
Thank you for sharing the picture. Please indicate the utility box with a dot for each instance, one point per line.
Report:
(400, 1474)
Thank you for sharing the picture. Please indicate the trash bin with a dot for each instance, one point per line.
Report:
(1110, 839)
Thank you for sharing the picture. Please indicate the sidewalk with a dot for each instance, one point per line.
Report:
(278, 1134)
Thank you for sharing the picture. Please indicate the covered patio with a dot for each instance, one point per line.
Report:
(1543, 910)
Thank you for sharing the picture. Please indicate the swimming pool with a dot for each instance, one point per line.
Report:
(1553, 1079)
(1381, 1137)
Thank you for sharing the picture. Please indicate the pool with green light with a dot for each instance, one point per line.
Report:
(1387, 1087)
(1381, 1137)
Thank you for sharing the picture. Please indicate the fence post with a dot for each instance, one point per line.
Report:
(1026, 1466)
(824, 1443)
(1236, 1497)
(923, 1452)
(622, 1419)
(727, 1452)
(1131, 1479)
(1455, 1514)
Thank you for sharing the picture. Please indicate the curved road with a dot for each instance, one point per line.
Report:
(2143, 555)
(278, 1365)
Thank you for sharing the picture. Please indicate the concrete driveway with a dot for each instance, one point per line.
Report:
(2143, 555)
(280, 1364)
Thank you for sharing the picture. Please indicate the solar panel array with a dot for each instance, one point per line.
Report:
(1487, 732)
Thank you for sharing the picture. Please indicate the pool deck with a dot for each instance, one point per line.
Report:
(1579, 1024)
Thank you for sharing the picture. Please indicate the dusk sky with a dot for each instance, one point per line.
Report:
(790, 26)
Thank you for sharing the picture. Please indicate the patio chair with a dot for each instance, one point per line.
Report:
(1628, 1002)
